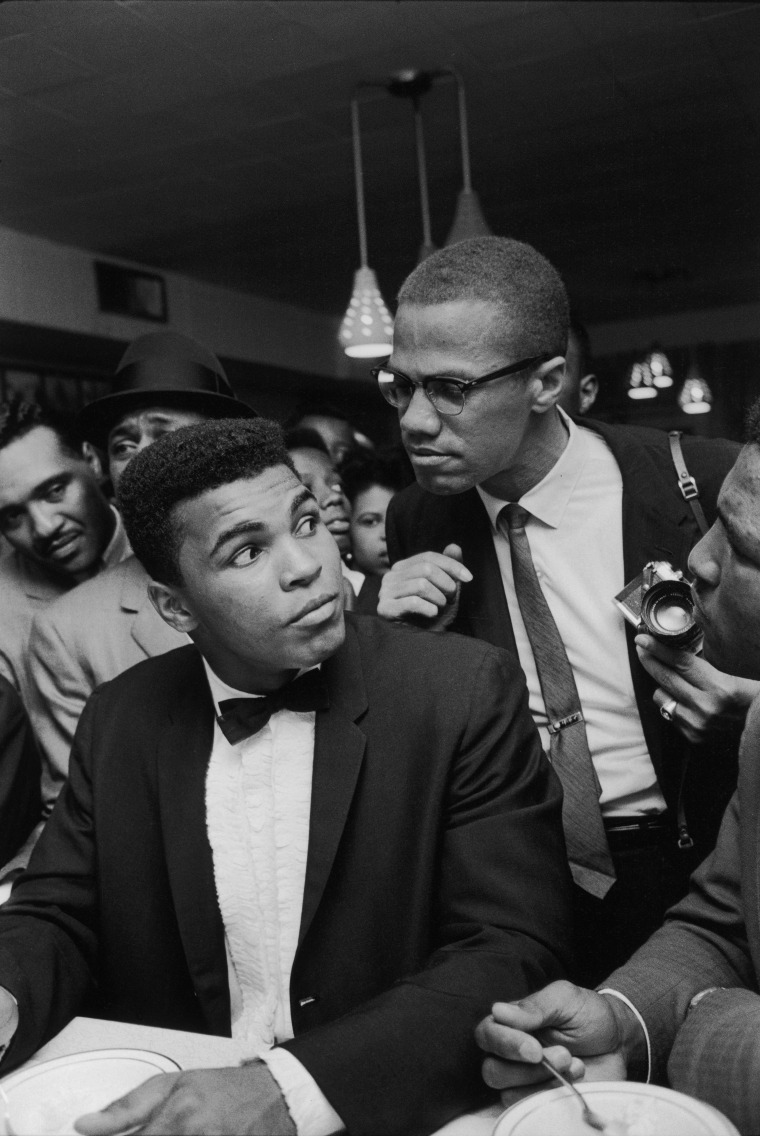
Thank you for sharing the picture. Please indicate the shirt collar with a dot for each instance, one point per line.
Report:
(220, 690)
(117, 548)
(548, 499)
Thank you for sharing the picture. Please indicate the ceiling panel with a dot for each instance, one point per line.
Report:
(213, 138)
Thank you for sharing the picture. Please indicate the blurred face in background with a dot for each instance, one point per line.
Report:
(139, 429)
(579, 390)
(368, 529)
(51, 507)
(318, 473)
(336, 434)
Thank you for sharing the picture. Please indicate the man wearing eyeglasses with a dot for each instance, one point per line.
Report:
(522, 528)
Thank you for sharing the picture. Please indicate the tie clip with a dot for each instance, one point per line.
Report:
(570, 720)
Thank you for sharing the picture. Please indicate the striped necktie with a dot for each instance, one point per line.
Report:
(587, 847)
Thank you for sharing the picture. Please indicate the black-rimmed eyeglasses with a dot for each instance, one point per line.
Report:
(446, 395)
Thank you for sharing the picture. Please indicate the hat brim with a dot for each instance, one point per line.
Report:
(97, 420)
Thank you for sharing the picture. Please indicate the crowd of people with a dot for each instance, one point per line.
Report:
(348, 754)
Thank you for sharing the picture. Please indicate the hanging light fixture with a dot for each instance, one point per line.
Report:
(695, 396)
(468, 218)
(367, 328)
(413, 85)
(659, 365)
(641, 381)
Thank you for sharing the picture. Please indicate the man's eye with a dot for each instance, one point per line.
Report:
(121, 449)
(246, 556)
(307, 525)
(55, 492)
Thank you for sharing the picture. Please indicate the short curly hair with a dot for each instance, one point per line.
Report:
(504, 272)
(19, 416)
(182, 466)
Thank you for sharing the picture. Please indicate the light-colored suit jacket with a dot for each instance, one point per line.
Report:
(88, 636)
(25, 589)
(711, 939)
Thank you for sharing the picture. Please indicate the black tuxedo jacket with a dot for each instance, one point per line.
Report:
(436, 879)
(658, 524)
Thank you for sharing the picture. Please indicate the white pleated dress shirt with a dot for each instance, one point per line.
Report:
(258, 804)
(575, 532)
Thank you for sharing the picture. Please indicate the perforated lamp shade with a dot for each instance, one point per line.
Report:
(468, 219)
(367, 328)
(695, 396)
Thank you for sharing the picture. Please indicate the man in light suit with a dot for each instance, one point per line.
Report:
(164, 381)
(690, 993)
(490, 318)
(334, 841)
(53, 514)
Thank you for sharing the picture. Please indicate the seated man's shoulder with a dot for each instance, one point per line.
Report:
(407, 648)
(86, 601)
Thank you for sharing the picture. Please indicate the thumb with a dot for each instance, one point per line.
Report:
(454, 551)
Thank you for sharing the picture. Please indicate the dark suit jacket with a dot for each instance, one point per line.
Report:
(711, 938)
(658, 524)
(20, 803)
(435, 878)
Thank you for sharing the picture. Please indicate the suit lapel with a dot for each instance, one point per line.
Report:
(483, 610)
(148, 629)
(338, 754)
(184, 748)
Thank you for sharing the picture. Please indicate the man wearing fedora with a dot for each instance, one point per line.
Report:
(165, 380)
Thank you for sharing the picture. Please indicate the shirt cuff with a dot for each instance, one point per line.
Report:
(626, 1001)
(312, 1114)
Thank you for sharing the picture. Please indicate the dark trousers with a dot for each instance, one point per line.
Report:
(652, 874)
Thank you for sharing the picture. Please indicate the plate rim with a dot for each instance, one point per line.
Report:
(593, 1087)
(18, 1076)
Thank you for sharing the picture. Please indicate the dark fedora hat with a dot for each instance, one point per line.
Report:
(162, 368)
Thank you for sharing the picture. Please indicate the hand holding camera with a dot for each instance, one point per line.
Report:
(696, 697)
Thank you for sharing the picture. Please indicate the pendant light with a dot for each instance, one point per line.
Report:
(695, 396)
(468, 217)
(367, 328)
(641, 381)
(411, 84)
(659, 365)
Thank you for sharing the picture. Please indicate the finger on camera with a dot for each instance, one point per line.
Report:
(675, 658)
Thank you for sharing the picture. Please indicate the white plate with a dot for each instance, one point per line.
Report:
(639, 1110)
(46, 1099)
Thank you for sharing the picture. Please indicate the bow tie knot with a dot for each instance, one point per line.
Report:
(240, 718)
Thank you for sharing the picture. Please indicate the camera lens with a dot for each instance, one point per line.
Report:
(667, 612)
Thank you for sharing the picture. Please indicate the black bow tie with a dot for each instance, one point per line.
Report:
(240, 718)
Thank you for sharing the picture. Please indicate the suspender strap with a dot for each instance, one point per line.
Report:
(686, 482)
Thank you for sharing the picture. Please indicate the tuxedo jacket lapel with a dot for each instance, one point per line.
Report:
(338, 754)
(184, 748)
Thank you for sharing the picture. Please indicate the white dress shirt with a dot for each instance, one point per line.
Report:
(258, 804)
(575, 532)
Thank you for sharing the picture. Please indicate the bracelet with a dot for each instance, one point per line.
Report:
(639, 1019)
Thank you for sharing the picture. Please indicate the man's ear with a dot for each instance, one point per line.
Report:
(92, 457)
(551, 376)
(171, 606)
(588, 389)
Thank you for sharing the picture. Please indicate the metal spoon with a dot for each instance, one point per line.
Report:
(592, 1119)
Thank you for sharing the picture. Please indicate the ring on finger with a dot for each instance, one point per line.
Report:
(668, 710)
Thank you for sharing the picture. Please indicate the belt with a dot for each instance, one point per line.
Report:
(639, 831)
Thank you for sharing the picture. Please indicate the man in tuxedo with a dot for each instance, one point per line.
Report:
(340, 872)
(689, 995)
(505, 477)
(53, 514)
(164, 380)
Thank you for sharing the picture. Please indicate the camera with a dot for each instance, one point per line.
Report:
(659, 602)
